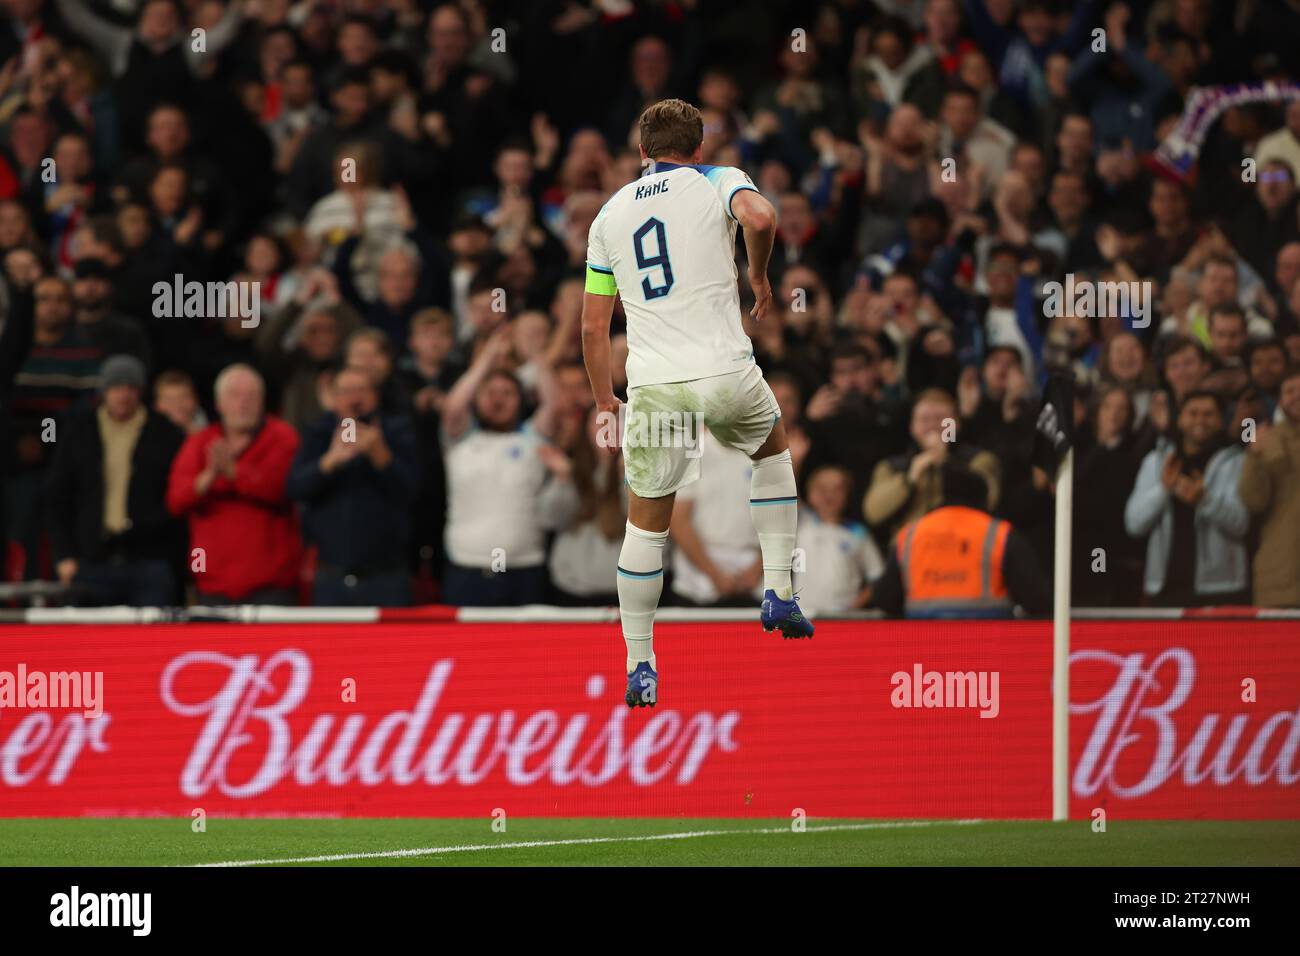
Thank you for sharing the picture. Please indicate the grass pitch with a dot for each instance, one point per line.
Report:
(664, 842)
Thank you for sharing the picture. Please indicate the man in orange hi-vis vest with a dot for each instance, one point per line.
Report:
(958, 561)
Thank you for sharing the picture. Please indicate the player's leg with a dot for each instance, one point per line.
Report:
(641, 574)
(753, 424)
(774, 506)
(653, 471)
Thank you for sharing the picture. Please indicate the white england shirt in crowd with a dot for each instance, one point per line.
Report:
(583, 561)
(721, 520)
(838, 560)
(500, 495)
(334, 216)
(669, 240)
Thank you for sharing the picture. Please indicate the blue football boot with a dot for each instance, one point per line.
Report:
(642, 686)
(785, 615)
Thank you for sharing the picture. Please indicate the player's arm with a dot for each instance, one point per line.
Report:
(597, 310)
(757, 220)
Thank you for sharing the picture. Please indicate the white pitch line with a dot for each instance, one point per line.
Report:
(583, 841)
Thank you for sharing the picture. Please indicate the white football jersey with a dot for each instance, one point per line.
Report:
(666, 244)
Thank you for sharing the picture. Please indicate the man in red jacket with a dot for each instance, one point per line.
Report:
(229, 481)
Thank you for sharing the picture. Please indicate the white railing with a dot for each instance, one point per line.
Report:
(527, 614)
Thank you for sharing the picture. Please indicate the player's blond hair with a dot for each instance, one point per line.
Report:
(671, 128)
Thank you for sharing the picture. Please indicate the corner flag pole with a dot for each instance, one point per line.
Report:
(1061, 641)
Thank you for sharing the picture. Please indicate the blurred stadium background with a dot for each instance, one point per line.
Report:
(408, 187)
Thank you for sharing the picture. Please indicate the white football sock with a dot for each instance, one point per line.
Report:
(774, 507)
(640, 583)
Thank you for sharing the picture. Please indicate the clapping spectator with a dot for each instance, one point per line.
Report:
(229, 481)
(359, 208)
(355, 479)
(1185, 503)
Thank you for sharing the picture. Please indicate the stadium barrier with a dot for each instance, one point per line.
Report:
(434, 712)
(531, 614)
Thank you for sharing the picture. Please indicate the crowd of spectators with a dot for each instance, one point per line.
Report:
(410, 186)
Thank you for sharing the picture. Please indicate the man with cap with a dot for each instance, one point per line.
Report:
(109, 330)
(958, 561)
(113, 539)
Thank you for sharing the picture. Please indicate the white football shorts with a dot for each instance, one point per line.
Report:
(661, 426)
